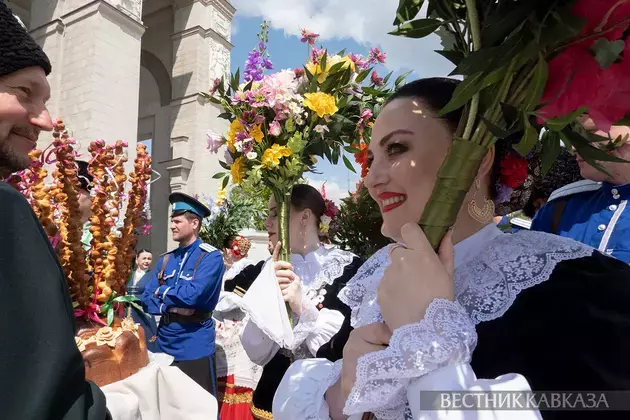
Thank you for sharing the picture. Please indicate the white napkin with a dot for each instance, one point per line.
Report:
(159, 392)
(265, 306)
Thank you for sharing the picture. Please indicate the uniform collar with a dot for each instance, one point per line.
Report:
(189, 247)
(623, 190)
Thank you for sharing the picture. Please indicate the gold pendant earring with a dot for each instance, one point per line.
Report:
(485, 214)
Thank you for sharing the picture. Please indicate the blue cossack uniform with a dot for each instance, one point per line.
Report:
(184, 291)
(590, 212)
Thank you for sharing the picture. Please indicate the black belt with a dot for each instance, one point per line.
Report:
(197, 317)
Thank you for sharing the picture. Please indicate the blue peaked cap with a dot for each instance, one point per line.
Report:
(183, 202)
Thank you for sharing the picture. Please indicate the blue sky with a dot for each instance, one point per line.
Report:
(355, 25)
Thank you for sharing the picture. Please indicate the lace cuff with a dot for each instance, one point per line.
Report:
(302, 392)
(305, 324)
(444, 337)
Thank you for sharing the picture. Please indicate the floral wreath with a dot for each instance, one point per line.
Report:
(240, 246)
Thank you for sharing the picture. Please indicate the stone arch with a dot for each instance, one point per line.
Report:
(153, 64)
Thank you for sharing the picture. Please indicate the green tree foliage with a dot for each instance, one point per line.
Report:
(360, 225)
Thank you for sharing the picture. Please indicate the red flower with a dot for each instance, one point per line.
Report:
(362, 158)
(601, 15)
(299, 72)
(513, 170)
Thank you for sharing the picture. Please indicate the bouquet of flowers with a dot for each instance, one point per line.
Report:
(530, 67)
(96, 277)
(280, 123)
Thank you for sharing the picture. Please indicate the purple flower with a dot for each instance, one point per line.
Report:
(376, 56)
(228, 157)
(376, 80)
(503, 193)
(358, 60)
(258, 59)
(267, 64)
(308, 37)
(215, 142)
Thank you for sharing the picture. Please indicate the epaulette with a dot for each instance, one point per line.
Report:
(207, 247)
(575, 188)
(522, 223)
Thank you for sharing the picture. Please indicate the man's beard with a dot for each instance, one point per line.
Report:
(10, 161)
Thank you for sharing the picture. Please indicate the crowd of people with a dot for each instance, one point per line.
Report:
(544, 309)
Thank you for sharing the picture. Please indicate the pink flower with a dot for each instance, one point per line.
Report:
(359, 61)
(274, 128)
(215, 85)
(376, 56)
(299, 72)
(309, 37)
(378, 81)
(215, 142)
(146, 229)
(316, 55)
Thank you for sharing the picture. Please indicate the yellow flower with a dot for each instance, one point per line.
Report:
(222, 195)
(238, 170)
(257, 133)
(316, 70)
(321, 103)
(234, 128)
(335, 59)
(271, 157)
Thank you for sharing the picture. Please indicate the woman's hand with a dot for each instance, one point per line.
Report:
(289, 282)
(416, 276)
(363, 340)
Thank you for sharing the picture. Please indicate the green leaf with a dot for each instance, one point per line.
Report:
(224, 165)
(225, 182)
(400, 79)
(351, 149)
(584, 148)
(551, 149)
(498, 132)
(225, 115)
(348, 164)
(455, 57)
(407, 10)
(344, 101)
(313, 85)
(324, 59)
(75, 305)
(337, 67)
(529, 139)
(607, 52)
(138, 307)
(236, 80)
(212, 99)
(500, 25)
(248, 86)
(361, 76)
(342, 52)
(537, 86)
(464, 92)
(559, 123)
(418, 28)
(371, 91)
(510, 113)
(110, 316)
(477, 61)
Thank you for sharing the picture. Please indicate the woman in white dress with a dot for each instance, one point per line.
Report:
(496, 312)
(309, 284)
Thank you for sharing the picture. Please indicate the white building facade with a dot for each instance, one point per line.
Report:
(134, 70)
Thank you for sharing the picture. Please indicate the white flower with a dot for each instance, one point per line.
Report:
(251, 155)
(238, 146)
(299, 121)
(326, 220)
(321, 129)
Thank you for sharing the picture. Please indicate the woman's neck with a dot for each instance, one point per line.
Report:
(309, 247)
(466, 226)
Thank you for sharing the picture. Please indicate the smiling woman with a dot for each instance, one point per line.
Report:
(523, 302)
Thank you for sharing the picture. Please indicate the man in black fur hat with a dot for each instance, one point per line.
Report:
(42, 375)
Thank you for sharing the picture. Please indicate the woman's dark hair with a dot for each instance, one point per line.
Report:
(140, 251)
(304, 197)
(436, 92)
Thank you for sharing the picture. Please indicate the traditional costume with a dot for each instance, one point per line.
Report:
(237, 375)
(591, 212)
(317, 332)
(184, 290)
(545, 312)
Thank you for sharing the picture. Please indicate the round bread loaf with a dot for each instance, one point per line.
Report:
(112, 353)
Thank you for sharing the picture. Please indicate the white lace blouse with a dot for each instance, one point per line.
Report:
(267, 327)
(491, 269)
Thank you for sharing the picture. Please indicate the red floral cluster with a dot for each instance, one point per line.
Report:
(362, 158)
(513, 170)
(240, 246)
(576, 79)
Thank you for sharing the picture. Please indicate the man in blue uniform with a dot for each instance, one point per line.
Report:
(184, 291)
(593, 211)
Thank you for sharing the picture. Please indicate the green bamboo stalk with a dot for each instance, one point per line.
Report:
(454, 180)
(283, 202)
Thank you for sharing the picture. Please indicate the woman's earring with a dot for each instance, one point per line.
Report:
(303, 235)
(485, 214)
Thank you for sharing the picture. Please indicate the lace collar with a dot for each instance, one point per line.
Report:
(320, 267)
(492, 268)
(236, 268)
